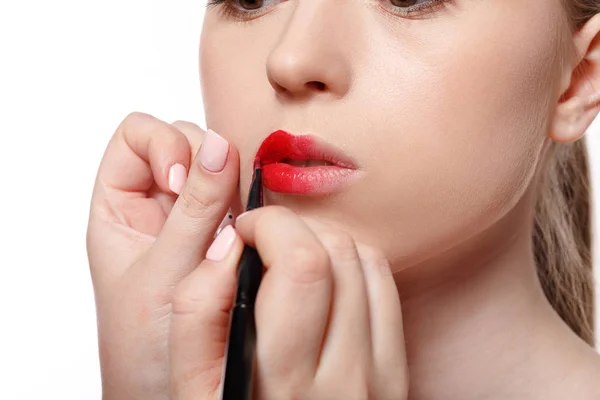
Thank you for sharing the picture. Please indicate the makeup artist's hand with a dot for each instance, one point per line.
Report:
(328, 317)
(142, 240)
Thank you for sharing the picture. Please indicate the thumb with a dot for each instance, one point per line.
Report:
(204, 200)
(200, 321)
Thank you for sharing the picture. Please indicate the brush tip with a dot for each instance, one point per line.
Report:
(257, 163)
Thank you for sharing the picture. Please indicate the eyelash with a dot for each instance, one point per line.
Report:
(235, 13)
(231, 11)
(427, 7)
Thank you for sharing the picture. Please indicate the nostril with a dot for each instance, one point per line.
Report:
(320, 86)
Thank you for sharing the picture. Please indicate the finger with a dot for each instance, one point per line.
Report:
(143, 151)
(202, 205)
(132, 188)
(389, 374)
(347, 347)
(293, 302)
(200, 321)
(193, 133)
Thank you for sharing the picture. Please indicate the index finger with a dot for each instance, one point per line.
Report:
(193, 133)
(294, 299)
(141, 152)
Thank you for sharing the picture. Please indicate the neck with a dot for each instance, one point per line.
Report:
(477, 323)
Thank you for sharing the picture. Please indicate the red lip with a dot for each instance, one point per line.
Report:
(279, 176)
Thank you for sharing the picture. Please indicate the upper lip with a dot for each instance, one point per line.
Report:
(281, 145)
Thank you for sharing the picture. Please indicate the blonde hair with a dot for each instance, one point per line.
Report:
(562, 237)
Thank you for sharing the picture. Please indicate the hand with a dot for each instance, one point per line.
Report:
(328, 317)
(142, 239)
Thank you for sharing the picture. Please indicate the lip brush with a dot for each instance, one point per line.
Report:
(238, 374)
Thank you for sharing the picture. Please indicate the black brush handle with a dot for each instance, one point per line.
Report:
(238, 374)
(239, 362)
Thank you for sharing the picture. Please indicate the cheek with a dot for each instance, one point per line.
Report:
(232, 77)
(466, 129)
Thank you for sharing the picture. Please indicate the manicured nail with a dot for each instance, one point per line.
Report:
(213, 151)
(177, 178)
(222, 245)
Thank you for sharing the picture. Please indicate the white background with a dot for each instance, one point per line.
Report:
(69, 72)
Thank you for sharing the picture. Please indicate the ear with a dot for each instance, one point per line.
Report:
(580, 103)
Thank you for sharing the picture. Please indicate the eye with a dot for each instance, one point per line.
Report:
(244, 10)
(404, 3)
(250, 4)
(410, 8)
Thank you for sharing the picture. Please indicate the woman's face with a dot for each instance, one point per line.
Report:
(444, 110)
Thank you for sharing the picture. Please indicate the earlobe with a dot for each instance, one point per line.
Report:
(580, 103)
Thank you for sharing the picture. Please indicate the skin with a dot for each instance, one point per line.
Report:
(485, 101)
(465, 108)
(163, 296)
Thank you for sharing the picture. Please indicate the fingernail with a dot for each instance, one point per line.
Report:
(177, 177)
(213, 151)
(219, 249)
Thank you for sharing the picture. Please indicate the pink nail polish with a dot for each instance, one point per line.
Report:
(213, 151)
(222, 245)
(177, 178)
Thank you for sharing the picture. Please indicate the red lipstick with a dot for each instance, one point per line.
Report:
(303, 165)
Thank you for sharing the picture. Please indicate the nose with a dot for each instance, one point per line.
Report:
(313, 56)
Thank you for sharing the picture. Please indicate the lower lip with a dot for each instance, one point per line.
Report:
(286, 178)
